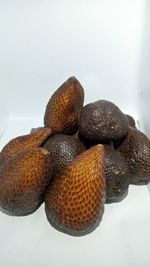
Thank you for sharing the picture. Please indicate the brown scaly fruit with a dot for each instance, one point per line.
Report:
(102, 121)
(117, 175)
(22, 142)
(63, 109)
(23, 180)
(63, 148)
(136, 149)
(74, 203)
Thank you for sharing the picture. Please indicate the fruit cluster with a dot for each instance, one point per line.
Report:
(83, 157)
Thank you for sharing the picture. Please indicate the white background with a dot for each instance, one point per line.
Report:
(44, 42)
(105, 44)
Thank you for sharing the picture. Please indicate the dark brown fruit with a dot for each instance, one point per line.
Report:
(136, 150)
(22, 142)
(74, 203)
(63, 109)
(131, 121)
(63, 148)
(102, 121)
(117, 176)
(23, 180)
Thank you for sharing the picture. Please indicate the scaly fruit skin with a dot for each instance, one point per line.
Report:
(102, 122)
(63, 109)
(136, 149)
(23, 180)
(63, 148)
(74, 203)
(117, 176)
(23, 142)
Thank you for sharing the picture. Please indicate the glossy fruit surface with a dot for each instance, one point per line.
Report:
(74, 203)
(63, 109)
(22, 142)
(23, 180)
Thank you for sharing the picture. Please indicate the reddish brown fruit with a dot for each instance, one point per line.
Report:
(136, 149)
(63, 108)
(63, 148)
(23, 180)
(74, 203)
(22, 142)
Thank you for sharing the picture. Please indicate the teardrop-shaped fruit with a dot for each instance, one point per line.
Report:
(63, 108)
(102, 121)
(136, 149)
(117, 175)
(23, 180)
(74, 203)
(63, 148)
(131, 120)
(22, 142)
